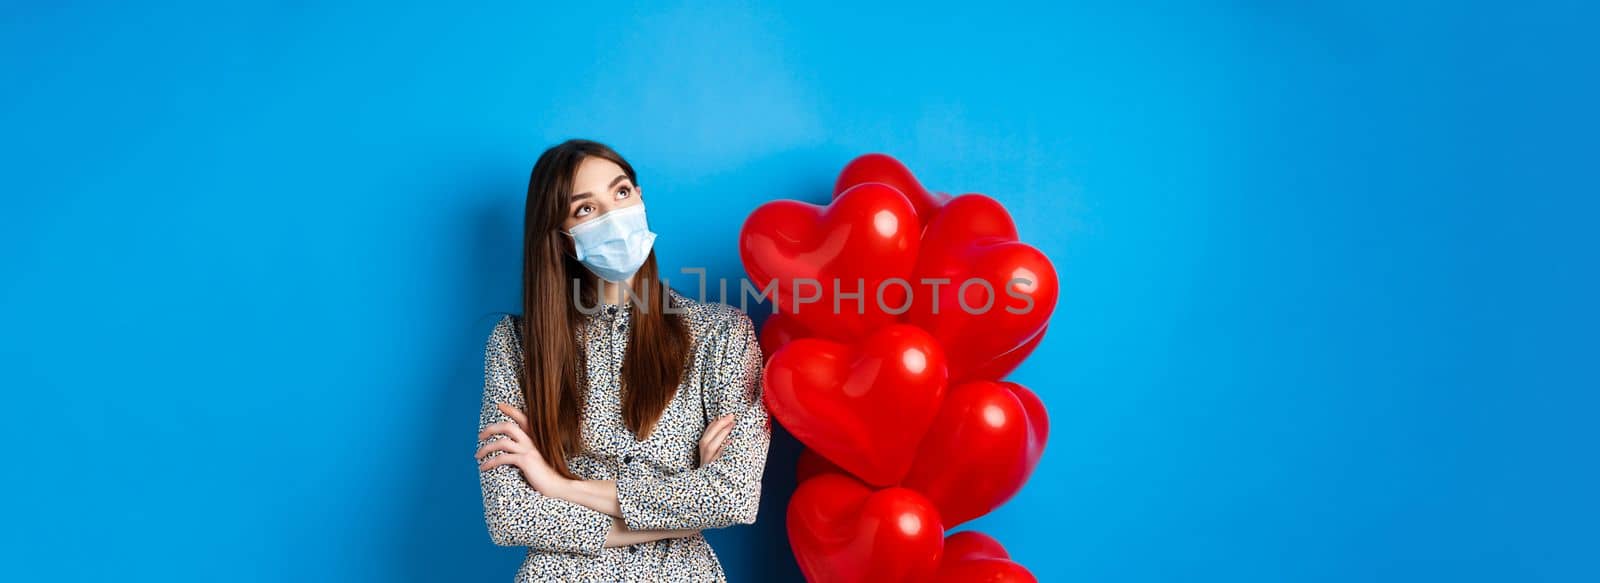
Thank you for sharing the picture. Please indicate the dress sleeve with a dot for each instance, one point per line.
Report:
(516, 514)
(728, 490)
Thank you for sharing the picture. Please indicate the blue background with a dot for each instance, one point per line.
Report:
(1328, 271)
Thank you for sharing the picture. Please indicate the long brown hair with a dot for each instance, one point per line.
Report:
(553, 378)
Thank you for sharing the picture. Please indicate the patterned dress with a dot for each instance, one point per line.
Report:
(658, 482)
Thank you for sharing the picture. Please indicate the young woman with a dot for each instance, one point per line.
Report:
(620, 419)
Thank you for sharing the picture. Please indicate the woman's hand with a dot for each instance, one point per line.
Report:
(715, 434)
(517, 449)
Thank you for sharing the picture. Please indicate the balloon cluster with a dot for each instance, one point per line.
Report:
(897, 313)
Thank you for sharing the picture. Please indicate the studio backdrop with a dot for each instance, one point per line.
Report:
(1327, 273)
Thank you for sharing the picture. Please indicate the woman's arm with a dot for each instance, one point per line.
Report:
(620, 535)
(721, 493)
(515, 513)
(601, 495)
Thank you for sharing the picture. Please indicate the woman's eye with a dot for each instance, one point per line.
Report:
(584, 210)
(624, 192)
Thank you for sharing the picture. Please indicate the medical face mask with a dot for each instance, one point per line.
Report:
(615, 244)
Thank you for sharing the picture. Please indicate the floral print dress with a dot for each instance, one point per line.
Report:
(659, 485)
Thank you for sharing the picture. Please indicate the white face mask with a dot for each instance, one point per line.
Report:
(615, 244)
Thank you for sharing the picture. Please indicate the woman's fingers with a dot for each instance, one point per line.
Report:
(709, 432)
(505, 445)
(712, 439)
(505, 428)
(707, 440)
(717, 452)
(492, 429)
(719, 439)
(727, 427)
(496, 461)
(514, 414)
(717, 425)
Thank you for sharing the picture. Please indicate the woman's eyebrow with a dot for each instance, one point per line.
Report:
(586, 194)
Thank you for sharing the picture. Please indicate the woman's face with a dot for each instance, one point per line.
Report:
(599, 187)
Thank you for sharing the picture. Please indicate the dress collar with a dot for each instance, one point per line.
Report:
(624, 310)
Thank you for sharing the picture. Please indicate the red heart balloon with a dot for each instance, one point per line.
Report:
(1000, 292)
(971, 557)
(1002, 365)
(984, 444)
(883, 168)
(971, 544)
(777, 331)
(818, 256)
(812, 464)
(841, 530)
(864, 406)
